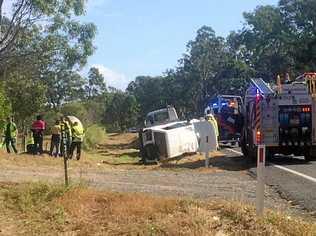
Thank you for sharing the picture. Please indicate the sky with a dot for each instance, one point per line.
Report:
(147, 37)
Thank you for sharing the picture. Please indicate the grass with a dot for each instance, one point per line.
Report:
(43, 209)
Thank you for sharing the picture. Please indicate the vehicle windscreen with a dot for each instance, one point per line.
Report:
(160, 117)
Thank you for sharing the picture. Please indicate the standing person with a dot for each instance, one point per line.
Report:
(65, 137)
(55, 141)
(10, 135)
(38, 128)
(77, 138)
(210, 118)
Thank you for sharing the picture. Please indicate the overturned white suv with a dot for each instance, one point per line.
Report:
(165, 136)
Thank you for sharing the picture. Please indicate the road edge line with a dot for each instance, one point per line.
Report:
(295, 172)
(282, 168)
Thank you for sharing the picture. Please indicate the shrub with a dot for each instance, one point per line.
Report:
(76, 109)
(94, 135)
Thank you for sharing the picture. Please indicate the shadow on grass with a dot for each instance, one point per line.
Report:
(227, 162)
(122, 163)
(118, 155)
(132, 145)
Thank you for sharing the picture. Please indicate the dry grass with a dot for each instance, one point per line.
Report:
(41, 209)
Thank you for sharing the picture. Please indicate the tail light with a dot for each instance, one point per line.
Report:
(258, 137)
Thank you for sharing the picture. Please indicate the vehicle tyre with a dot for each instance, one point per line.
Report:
(269, 154)
(253, 154)
(243, 145)
(308, 157)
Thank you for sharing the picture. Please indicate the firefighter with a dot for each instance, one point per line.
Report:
(210, 118)
(77, 138)
(30, 147)
(65, 137)
(55, 140)
(10, 135)
(38, 128)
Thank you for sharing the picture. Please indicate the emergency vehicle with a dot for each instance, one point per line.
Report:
(281, 117)
(227, 111)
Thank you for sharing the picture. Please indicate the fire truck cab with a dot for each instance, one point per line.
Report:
(227, 111)
(280, 117)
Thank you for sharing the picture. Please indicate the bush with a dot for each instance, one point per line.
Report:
(76, 109)
(94, 135)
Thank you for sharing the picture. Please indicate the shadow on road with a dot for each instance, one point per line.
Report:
(289, 160)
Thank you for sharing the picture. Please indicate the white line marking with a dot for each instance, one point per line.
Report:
(295, 172)
(282, 168)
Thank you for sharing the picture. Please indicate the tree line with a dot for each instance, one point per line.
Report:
(43, 48)
(274, 40)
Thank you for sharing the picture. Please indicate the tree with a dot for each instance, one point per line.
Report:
(300, 19)
(267, 40)
(55, 15)
(56, 49)
(26, 95)
(96, 84)
(5, 107)
(121, 111)
(148, 92)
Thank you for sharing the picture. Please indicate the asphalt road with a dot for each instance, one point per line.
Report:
(291, 177)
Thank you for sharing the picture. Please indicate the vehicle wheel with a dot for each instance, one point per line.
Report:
(308, 157)
(233, 143)
(151, 154)
(243, 145)
(269, 154)
(253, 154)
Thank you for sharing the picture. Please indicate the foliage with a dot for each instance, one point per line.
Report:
(75, 109)
(96, 84)
(55, 49)
(26, 95)
(5, 107)
(121, 111)
(94, 135)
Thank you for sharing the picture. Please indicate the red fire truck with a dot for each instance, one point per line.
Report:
(227, 111)
(282, 117)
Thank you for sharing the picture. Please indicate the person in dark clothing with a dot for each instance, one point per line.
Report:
(65, 137)
(38, 128)
(10, 135)
(56, 136)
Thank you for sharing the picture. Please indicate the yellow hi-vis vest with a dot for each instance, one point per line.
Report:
(77, 133)
(13, 132)
(213, 121)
